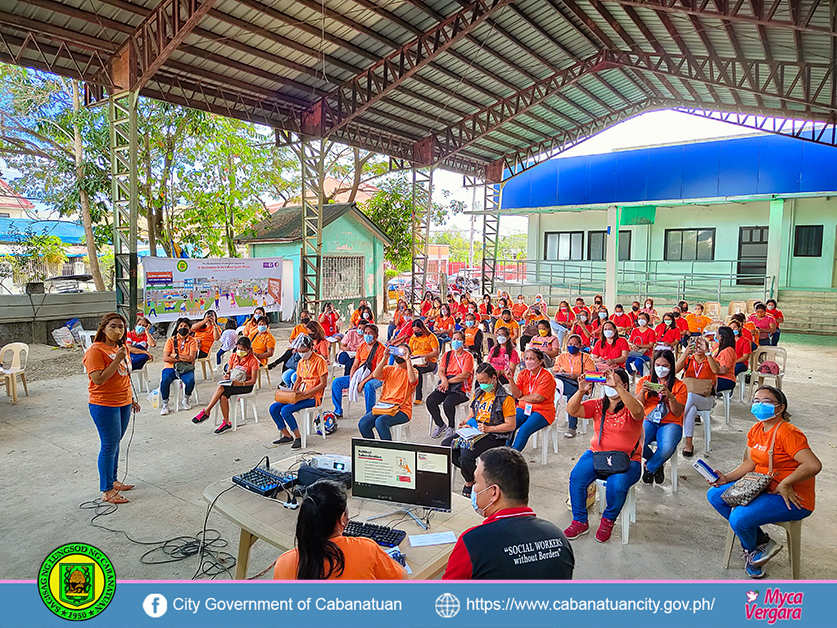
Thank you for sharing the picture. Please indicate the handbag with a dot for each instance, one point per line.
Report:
(702, 387)
(284, 396)
(379, 410)
(607, 463)
(183, 367)
(452, 388)
(753, 484)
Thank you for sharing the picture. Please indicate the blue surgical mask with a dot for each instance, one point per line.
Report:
(469, 323)
(140, 330)
(456, 345)
(736, 331)
(573, 349)
(262, 328)
(487, 387)
(474, 494)
(369, 338)
(763, 411)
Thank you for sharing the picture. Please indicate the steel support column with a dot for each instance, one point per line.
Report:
(312, 158)
(421, 202)
(123, 169)
(490, 234)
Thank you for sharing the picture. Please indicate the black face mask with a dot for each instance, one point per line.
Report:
(417, 331)
(635, 308)
(183, 331)
(400, 360)
(598, 302)
(304, 321)
(676, 314)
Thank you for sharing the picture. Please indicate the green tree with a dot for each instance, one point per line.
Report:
(392, 209)
(33, 254)
(512, 246)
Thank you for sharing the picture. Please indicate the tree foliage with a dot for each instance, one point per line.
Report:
(33, 254)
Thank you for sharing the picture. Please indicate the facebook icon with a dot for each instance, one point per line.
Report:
(155, 605)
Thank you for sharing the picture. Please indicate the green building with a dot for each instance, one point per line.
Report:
(352, 253)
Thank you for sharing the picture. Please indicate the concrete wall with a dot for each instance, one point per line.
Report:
(31, 320)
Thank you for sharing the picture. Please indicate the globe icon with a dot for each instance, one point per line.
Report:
(447, 605)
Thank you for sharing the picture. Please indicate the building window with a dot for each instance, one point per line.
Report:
(808, 241)
(689, 244)
(597, 243)
(342, 277)
(563, 246)
(5, 215)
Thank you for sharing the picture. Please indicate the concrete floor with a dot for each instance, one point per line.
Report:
(48, 465)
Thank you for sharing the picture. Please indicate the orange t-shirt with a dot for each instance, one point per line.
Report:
(512, 326)
(249, 364)
(541, 384)
(573, 365)
(454, 365)
(297, 330)
(444, 324)
(398, 389)
(484, 311)
(518, 309)
(310, 371)
(355, 318)
(262, 342)
(621, 431)
(651, 400)
(698, 370)
(184, 347)
(321, 347)
(116, 391)
(789, 441)
(250, 327)
(420, 345)
(470, 334)
(363, 353)
(697, 323)
(206, 337)
(727, 358)
(365, 560)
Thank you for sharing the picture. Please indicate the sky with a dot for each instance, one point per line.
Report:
(657, 127)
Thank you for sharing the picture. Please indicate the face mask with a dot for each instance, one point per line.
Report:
(583, 319)
(183, 331)
(635, 308)
(400, 360)
(242, 353)
(369, 338)
(507, 319)
(771, 307)
(474, 494)
(469, 324)
(610, 392)
(140, 330)
(114, 334)
(305, 355)
(763, 411)
(502, 339)
(573, 349)
(598, 302)
(736, 331)
(456, 345)
(304, 321)
(642, 322)
(667, 321)
(648, 305)
(619, 312)
(543, 332)
(662, 371)
(520, 299)
(563, 308)
(602, 315)
(608, 333)
(532, 365)
(262, 328)
(676, 314)
(486, 387)
(366, 315)
(487, 300)
(417, 332)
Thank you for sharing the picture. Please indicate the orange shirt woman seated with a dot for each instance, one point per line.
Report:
(395, 404)
(322, 552)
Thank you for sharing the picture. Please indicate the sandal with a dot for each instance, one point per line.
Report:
(688, 453)
(116, 498)
(119, 486)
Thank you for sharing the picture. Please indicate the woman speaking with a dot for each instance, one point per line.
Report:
(322, 552)
(110, 399)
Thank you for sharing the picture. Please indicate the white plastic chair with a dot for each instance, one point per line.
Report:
(206, 365)
(86, 337)
(263, 369)
(178, 389)
(143, 384)
(706, 422)
(237, 401)
(307, 425)
(400, 430)
(630, 506)
(673, 461)
(552, 429)
(17, 367)
(775, 354)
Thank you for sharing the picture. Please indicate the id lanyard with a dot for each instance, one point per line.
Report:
(533, 382)
(696, 369)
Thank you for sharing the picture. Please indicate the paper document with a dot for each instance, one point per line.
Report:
(468, 432)
(225, 382)
(434, 538)
(333, 338)
(383, 405)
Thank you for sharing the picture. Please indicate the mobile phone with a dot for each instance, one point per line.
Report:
(654, 387)
(398, 351)
(597, 378)
(705, 470)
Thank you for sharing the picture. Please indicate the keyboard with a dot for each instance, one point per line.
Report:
(382, 535)
(265, 481)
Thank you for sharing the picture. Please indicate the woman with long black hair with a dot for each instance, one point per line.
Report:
(322, 552)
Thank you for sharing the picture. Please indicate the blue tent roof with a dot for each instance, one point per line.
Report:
(69, 232)
(762, 165)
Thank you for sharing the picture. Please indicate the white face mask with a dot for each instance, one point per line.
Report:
(642, 322)
(610, 392)
(305, 355)
(603, 315)
(502, 339)
(608, 333)
(662, 371)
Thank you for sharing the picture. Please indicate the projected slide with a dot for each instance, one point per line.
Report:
(432, 463)
(386, 468)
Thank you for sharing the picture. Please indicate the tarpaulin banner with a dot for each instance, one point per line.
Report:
(230, 286)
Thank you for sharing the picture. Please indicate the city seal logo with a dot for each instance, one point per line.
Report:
(76, 581)
(182, 266)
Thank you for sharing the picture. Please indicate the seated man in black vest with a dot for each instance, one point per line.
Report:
(512, 543)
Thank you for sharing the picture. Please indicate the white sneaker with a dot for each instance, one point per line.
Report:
(186, 404)
(165, 409)
(217, 368)
(437, 431)
(569, 433)
(449, 432)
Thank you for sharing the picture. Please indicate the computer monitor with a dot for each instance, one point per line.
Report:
(403, 474)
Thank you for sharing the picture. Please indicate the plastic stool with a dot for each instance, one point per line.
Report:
(460, 414)
(793, 541)
(235, 402)
(142, 377)
(206, 364)
(726, 395)
(630, 504)
(549, 429)
(673, 461)
(706, 422)
(398, 433)
(263, 368)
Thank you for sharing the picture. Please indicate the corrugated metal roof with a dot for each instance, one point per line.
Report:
(265, 60)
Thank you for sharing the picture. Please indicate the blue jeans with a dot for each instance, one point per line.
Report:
(637, 363)
(219, 355)
(382, 423)
(722, 384)
(526, 426)
(283, 413)
(774, 337)
(111, 423)
(569, 391)
(740, 367)
(370, 393)
(289, 377)
(764, 342)
(745, 521)
(138, 360)
(390, 331)
(667, 435)
(616, 491)
(346, 360)
(169, 375)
